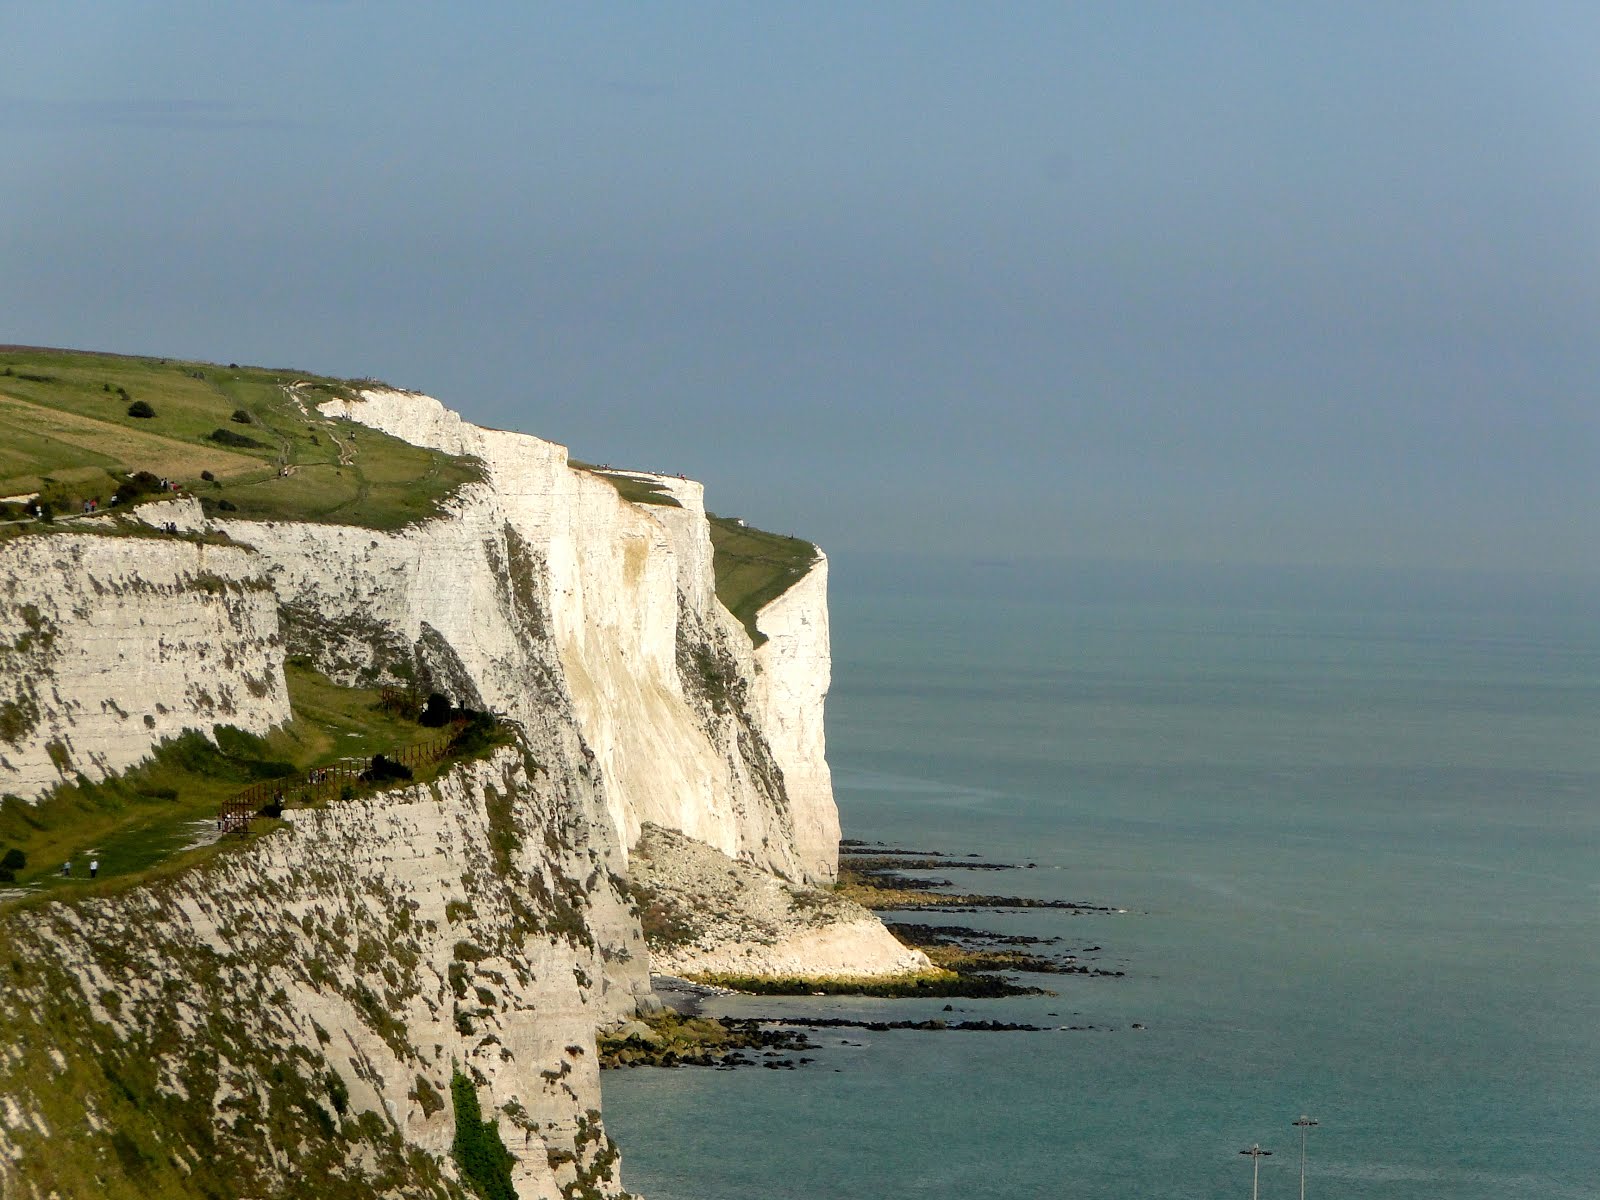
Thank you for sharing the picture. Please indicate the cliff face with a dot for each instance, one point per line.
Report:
(298, 1007)
(110, 644)
(296, 1010)
(693, 728)
(540, 584)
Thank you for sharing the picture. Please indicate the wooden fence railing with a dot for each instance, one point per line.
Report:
(325, 783)
(403, 702)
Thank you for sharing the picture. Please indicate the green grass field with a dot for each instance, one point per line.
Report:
(630, 486)
(141, 820)
(66, 432)
(754, 568)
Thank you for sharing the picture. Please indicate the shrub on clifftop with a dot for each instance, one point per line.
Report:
(226, 437)
(140, 483)
(386, 770)
(437, 713)
(479, 733)
(13, 862)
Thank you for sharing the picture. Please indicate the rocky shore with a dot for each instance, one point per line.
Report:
(711, 920)
(873, 877)
(672, 1039)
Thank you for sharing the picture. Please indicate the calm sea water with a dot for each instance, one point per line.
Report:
(1354, 819)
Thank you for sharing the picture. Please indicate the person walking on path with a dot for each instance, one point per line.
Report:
(94, 867)
(66, 869)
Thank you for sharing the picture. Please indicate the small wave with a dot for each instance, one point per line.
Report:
(853, 779)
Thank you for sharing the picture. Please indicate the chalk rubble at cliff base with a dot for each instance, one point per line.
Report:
(726, 917)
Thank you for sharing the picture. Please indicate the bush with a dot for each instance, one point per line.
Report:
(384, 770)
(236, 756)
(479, 733)
(226, 437)
(338, 1093)
(208, 476)
(140, 483)
(242, 417)
(140, 409)
(436, 714)
(14, 860)
(239, 743)
(227, 506)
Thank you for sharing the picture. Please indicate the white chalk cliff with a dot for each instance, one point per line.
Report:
(590, 621)
(293, 1014)
(629, 585)
(109, 645)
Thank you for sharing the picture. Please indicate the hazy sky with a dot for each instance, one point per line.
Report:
(1237, 282)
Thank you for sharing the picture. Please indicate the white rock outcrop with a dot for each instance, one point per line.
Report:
(337, 973)
(724, 918)
(110, 644)
(540, 580)
(791, 680)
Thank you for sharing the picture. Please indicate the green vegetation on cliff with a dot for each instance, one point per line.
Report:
(250, 443)
(158, 817)
(156, 1128)
(754, 568)
(480, 1155)
(247, 440)
(634, 486)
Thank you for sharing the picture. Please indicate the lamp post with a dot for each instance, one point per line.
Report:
(1256, 1153)
(1304, 1125)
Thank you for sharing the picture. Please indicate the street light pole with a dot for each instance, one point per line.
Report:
(1257, 1153)
(1304, 1124)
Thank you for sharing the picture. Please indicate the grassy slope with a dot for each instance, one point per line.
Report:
(754, 568)
(65, 431)
(140, 821)
(639, 489)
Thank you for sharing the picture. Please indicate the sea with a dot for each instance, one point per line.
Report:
(1353, 819)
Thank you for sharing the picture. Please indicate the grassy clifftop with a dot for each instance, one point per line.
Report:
(247, 440)
(754, 568)
(251, 444)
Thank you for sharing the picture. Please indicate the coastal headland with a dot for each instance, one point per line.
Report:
(360, 764)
